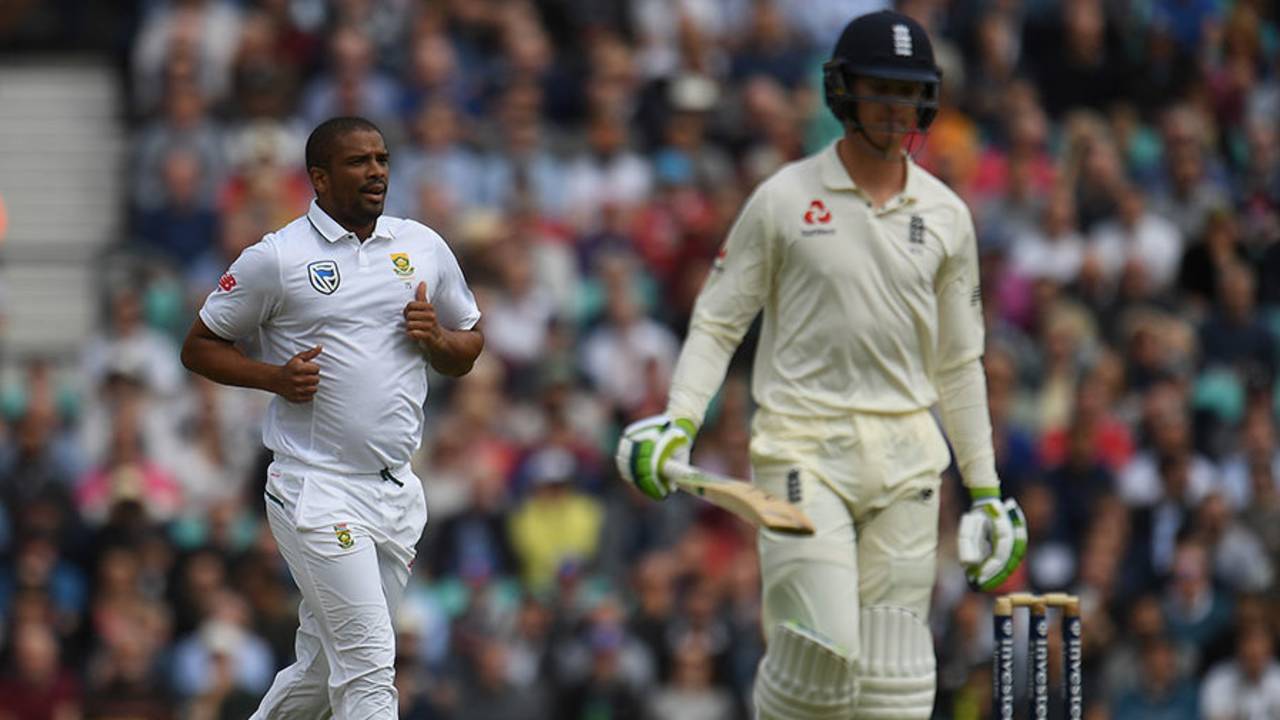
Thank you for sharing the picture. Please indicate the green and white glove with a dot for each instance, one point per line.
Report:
(646, 445)
(992, 539)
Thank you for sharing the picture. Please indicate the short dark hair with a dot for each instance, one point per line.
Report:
(322, 140)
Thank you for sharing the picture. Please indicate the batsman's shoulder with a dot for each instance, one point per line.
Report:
(935, 188)
(795, 184)
(935, 191)
(803, 173)
(934, 198)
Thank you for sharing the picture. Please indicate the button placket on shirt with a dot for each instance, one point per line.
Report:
(893, 205)
(362, 260)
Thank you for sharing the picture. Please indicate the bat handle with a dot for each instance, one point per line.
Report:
(673, 469)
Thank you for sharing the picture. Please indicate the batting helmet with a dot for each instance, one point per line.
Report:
(886, 45)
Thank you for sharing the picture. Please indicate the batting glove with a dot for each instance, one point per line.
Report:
(646, 445)
(992, 539)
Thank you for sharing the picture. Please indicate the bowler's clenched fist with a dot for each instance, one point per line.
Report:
(420, 320)
(298, 379)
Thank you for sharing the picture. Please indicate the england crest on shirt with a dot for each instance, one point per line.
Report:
(917, 230)
(324, 276)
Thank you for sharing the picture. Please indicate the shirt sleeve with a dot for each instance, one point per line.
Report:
(957, 373)
(455, 305)
(1217, 696)
(247, 295)
(736, 289)
(960, 326)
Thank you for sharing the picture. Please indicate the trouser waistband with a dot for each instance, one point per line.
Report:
(395, 474)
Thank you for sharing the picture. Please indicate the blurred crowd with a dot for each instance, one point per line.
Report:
(584, 159)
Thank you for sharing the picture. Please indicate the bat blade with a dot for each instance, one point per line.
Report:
(740, 498)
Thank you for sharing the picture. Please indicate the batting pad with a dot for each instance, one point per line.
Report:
(896, 671)
(804, 677)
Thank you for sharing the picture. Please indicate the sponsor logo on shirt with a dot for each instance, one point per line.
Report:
(817, 213)
(816, 216)
(344, 536)
(403, 268)
(324, 276)
(227, 282)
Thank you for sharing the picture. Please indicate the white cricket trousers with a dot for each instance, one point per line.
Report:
(870, 485)
(349, 541)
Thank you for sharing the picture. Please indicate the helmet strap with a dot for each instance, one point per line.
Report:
(852, 122)
(881, 151)
(909, 143)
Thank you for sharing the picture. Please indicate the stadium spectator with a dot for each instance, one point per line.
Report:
(38, 685)
(556, 524)
(1161, 691)
(1247, 687)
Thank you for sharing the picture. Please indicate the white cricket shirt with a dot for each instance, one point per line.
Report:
(862, 306)
(314, 283)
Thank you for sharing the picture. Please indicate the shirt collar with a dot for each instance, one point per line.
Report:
(912, 188)
(835, 177)
(330, 230)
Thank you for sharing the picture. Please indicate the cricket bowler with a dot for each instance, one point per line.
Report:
(866, 269)
(349, 306)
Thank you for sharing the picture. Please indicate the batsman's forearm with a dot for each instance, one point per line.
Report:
(699, 371)
(222, 362)
(962, 397)
(457, 352)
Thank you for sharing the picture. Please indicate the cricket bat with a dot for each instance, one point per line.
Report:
(740, 498)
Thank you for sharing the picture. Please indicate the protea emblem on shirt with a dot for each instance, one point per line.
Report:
(400, 261)
(324, 276)
(344, 535)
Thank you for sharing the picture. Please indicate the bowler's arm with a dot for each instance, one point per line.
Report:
(246, 296)
(457, 350)
(207, 354)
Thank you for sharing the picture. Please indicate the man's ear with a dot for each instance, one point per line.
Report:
(319, 179)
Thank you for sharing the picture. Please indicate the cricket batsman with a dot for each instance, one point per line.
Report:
(866, 269)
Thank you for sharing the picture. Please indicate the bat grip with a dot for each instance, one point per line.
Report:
(673, 470)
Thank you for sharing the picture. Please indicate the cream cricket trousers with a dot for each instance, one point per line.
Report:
(870, 484)
(349, 541)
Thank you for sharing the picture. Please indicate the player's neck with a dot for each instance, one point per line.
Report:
(880, 175)
(362, 231)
